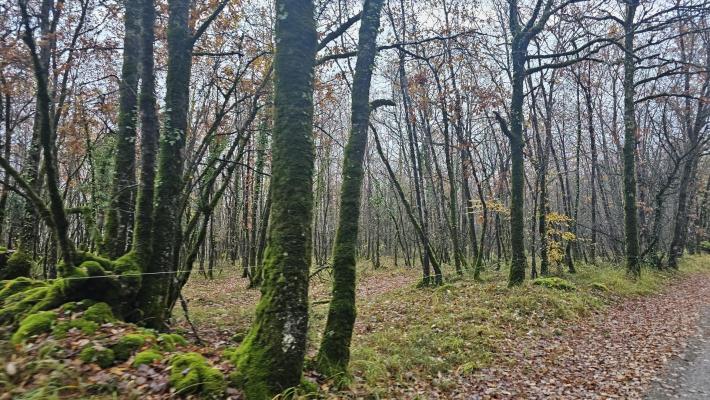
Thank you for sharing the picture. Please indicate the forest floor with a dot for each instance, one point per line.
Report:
(600, 336)
(607, 338)
(688, 375)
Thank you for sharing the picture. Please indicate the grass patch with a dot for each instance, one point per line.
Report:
(414, 334)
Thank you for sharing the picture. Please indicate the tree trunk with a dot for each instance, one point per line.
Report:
(334, 353)
(633, 266)
(518, 263)
(119, 216)
(143, 224)
(271, 357)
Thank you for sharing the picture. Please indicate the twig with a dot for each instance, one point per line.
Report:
(183, 304)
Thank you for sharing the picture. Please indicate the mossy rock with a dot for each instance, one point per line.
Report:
(170, 341)
(554, 282)
(98, 355)
(19, 264)
(34, 324)
(76, 306)
(18, 285)
(20, 304)
(83, 256)
(599, 286)
(100, 313)
(191, 373)
(146, 357)
(129, 344)
(93, 268)
(61, 329)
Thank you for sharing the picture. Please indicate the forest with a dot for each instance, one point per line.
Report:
(366, 199)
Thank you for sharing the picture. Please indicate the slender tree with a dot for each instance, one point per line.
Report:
(334, 353)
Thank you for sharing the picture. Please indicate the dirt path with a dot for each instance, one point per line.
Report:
(688, 376)
(616, 354)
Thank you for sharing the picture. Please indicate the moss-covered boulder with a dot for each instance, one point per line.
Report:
(98, 355)
(191, 373)
(170, 341)
(100, 313)
(34, 324)
(76, 306)
(11, 287)
(146, 357)
(83, 256)
(17, 265)
(554, 282)
(61, 329)
(129, 344)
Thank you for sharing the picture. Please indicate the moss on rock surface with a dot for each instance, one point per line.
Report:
(146, 357)
(23, 296)
(18, 265)
(98, 355)
(61, 329)
(191, 373)
(129, 344)
(34, 324)
(170, 341)
(100, 313)
(18, 285)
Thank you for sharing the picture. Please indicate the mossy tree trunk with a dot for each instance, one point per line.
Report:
(169, 182)
(119, 218)
(334, 353)
(271, 357)
(631, 233)
(143, 224)
(518, 263)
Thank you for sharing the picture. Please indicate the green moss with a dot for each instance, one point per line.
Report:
(554, 282)
(599, 286)
(129, 344)
(100, 313)
(81, 257)
(76, 306)
(88, 327)
(34, 324)
(308, 387)
(98, 355)
(19, 264)
(192, 374)
(92, 268)
(170, 341)
(146, 357)
(20, 304)
(18, 285)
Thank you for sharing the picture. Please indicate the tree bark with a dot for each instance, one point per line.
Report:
(334, 353)
(119, 216)
(271, 357)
